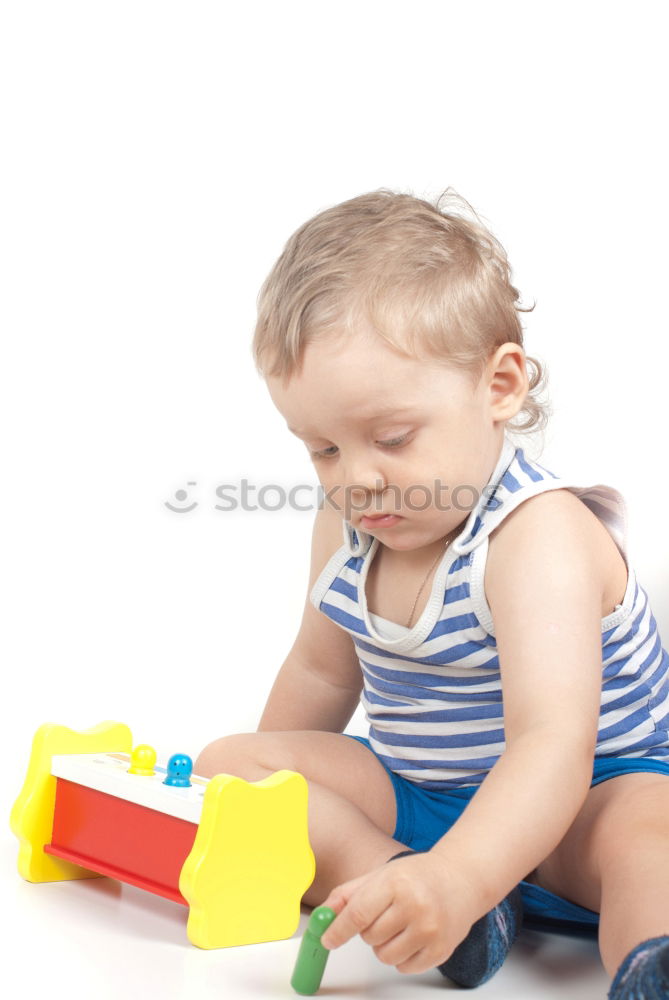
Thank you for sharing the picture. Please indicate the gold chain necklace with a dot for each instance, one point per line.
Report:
(440, 555)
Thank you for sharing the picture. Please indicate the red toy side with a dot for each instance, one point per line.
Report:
(114, 837)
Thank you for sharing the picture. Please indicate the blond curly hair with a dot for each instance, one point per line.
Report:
(430, 278)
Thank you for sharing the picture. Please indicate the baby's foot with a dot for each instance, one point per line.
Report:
(478, 957)
(644, 974)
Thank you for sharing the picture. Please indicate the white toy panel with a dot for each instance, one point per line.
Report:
(108, 772)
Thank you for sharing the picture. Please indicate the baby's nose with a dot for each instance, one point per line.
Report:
(365, 497)
(364, 489)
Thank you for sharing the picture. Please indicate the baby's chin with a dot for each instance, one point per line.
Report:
(407, 537)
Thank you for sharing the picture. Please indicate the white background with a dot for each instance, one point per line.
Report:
(156, 156)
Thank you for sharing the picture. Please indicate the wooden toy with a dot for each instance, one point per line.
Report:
(312, 956)
(236, 852)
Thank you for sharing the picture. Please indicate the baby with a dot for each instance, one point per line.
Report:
(481, 608)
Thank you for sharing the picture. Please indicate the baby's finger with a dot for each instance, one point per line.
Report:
(341, 894)
(420, 961)
(400, 950)
(387, 926)
(362, 909)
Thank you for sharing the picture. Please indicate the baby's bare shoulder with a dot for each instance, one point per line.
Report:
(554, 525)
(553, 514)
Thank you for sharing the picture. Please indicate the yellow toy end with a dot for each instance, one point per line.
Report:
(31, 818)
(251, 861)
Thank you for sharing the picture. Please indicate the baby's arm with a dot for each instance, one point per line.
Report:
(544, 586)
(319, 683)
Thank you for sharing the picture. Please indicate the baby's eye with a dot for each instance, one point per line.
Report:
(332, 450)
(325, 452)
(394, 442)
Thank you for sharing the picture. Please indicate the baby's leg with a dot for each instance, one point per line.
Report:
(351, 806)
(352, 816)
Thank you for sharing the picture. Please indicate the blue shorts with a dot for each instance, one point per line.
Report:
(424, 816)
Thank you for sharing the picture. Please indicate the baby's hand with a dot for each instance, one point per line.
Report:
(414, 911)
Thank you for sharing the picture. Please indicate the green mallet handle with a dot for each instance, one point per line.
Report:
(312, 956)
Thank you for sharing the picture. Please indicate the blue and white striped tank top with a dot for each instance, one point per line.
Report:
(432, 694)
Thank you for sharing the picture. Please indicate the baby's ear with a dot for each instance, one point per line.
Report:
(508, 384)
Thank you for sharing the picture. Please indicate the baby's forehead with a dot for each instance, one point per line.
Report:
(370, 416)
(340, 389)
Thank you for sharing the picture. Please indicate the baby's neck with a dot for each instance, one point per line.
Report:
(410, 559)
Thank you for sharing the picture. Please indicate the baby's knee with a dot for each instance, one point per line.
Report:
(221, 755)
(239, 754)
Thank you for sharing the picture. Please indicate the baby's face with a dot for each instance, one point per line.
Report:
(392, 435)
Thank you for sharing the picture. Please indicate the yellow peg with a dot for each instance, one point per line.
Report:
(143, 761)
